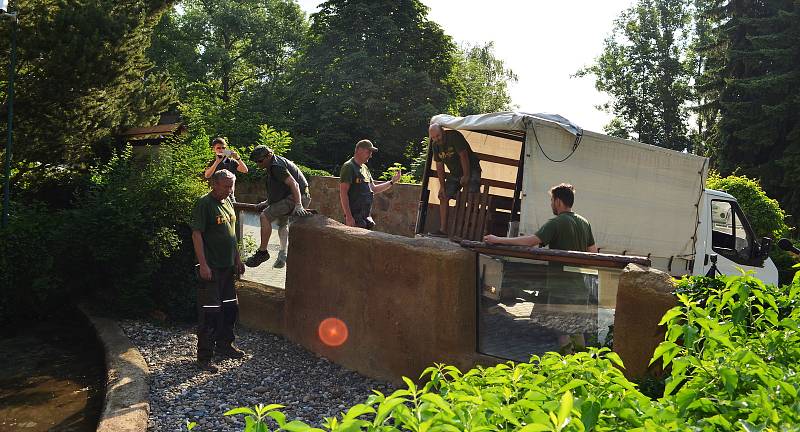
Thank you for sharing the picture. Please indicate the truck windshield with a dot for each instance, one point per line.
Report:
(731, 235)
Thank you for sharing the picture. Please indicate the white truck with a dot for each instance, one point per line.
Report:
(640, 199)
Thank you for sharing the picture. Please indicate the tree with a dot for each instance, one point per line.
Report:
(82, 75)
(484, 79)
(371, 69)
(229, 59)
(643, 68)
(755, 88)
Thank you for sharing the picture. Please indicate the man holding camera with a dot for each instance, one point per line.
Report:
(225, 159)
(287, 195)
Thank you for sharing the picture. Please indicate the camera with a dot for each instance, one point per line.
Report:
(227, 152)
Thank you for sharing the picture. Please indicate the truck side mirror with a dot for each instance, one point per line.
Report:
(765, 248)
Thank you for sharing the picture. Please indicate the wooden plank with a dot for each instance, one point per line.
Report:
(490, 182)
(566, 257)
(497, 159)
(459, 222)
(477, 233)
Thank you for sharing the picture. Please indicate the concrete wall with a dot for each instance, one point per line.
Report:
(394, 211)
(643, 296)
(407, 302)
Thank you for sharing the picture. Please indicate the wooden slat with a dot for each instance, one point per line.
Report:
(459, 222)
(490, 182)
(477, 233)
(566, 257)
(497, 159)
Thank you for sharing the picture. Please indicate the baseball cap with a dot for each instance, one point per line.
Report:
(260, 152)
(367, 144)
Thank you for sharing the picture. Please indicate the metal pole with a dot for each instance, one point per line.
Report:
(11, 72)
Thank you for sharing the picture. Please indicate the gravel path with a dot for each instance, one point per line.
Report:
(274, 371)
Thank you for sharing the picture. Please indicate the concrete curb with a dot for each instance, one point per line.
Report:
(127, 406)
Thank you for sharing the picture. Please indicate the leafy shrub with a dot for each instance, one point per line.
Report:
(29, 248)
(732, 357)
(130, 233)
(405, 177)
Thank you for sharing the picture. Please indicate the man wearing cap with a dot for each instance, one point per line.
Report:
(450, 149)
(356, 186)
(287, 195)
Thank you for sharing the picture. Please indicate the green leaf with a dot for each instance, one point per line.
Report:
(730, 378)
(297, 426)
(670, 314)
(564, 410)
(385, 408)
(356, 411)
(240, 410)
(535, 427)
(590, 412)
(278, 416)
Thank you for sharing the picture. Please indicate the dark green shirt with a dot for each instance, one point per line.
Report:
(447, 152)
(348, 172)
(277, 172)
(567, 231)
(217, 222)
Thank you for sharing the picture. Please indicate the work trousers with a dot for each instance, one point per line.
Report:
(217, 309)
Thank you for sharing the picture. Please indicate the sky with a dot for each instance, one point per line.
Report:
(543, 42)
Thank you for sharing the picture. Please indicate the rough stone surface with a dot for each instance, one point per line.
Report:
(407, 302)
(274, 370)
(394, 211)
(126, 405)
(644, 295)
(260, 306)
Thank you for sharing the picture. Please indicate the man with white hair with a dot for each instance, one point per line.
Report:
(217, 251)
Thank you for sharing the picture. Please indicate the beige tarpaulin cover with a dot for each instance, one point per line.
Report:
(640, 199)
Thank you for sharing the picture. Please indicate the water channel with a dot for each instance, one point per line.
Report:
(52, 376)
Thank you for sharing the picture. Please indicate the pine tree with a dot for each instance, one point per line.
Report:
(82, 76)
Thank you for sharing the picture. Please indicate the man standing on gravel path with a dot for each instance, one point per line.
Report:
(217, 251)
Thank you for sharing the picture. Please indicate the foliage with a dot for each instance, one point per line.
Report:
(484, 79)
(81, 75)
(732, 352)
(279, 141)
(132, 229)
(229, 60)
(405, 177)
(644, 69)
(29, 274)
(376, 70)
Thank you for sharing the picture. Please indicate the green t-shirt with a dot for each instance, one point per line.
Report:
(567, 231)
(217, 222)
(348, 172)
(447, 152)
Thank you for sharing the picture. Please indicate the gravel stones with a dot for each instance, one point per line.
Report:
(273, 371)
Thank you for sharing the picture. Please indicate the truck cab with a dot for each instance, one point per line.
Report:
(723, 230)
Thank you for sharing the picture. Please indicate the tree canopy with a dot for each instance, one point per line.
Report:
(82, 75)
(376, 70)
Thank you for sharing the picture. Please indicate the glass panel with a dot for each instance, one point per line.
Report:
(531, 307)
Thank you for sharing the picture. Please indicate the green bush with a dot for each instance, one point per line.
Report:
(130, 233)
(732, 358)
(31, 284)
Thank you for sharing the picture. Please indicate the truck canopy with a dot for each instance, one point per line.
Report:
(640, 199)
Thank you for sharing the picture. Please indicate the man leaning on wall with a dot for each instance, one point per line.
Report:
(566, 231)
(357, 187)
(287, 195)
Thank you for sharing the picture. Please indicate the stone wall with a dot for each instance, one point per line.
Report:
(643, 296)
(394, 211)
(407, 302)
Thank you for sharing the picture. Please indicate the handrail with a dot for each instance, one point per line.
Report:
(561, 256)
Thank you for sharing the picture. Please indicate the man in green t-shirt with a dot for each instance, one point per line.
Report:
(214, 240)
(451, 150)
(357, 187)
(566, 231)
